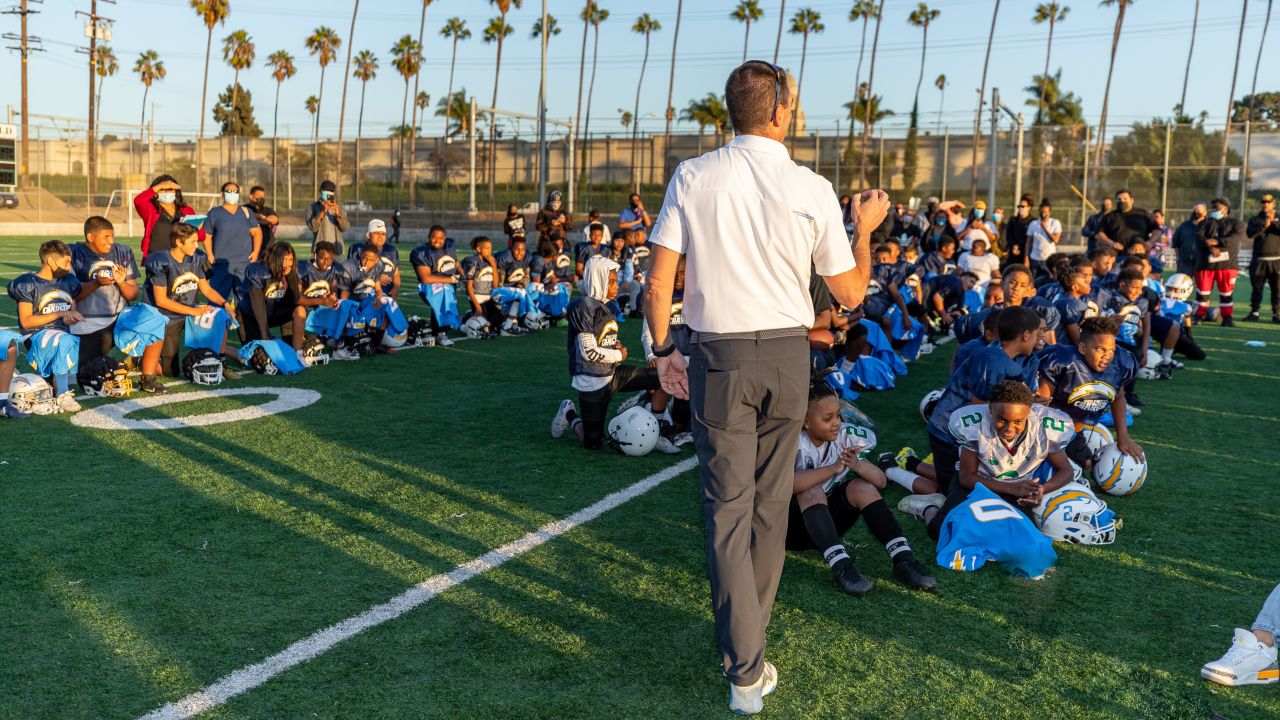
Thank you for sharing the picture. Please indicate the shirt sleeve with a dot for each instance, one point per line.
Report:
(669, 230)
(832, 252)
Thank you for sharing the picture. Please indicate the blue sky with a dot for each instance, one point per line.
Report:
(1147, 80)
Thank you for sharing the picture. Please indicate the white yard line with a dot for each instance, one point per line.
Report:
(320, 642)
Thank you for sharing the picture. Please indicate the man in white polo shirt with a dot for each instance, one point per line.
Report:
(752, 225)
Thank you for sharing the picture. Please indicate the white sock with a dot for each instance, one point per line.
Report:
(1166, 354)
(4, 396)
(834, 554)
(905, 478)
(845, 365)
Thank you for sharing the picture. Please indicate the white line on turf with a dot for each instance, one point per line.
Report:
(251, 676)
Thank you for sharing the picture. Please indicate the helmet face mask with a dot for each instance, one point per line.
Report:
(1179, 286)
(314, 353)
(30, 393)
(105, 377)
(1074, 514)
(477, 328)
(203, 367)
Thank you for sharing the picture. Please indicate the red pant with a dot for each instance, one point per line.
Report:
(1226, 282)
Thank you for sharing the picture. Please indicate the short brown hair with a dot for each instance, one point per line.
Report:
(749, 93)
(50, 248)
(180, 233)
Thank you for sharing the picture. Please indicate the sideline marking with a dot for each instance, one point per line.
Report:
(115, 415)
(317, 643)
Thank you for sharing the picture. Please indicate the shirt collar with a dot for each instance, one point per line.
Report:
(759, 143)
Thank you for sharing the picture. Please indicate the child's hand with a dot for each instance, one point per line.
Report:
(849, 457)
(623, 349)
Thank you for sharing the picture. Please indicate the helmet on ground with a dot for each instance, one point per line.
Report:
(29, 393)
(202, 366)
(1117, 473)
(1074, 514)
(261, 362)
(314, 353)
(1097, 436)
(394, 339)
(927, 402)
(418, 331)
(634, 432)
(1179, 286)
(360, 343)
(104, 377)
(477, 327)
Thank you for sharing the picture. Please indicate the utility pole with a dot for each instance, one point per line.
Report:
(995, 118)
(542, 115)
(98, 27)
(27, 44)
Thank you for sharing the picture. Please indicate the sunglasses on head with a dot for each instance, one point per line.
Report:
(779, 76)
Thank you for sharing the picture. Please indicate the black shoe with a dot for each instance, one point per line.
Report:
(149, 384)
(1226, 322)
(886, 460)
(1252, 317)
(1133, 400)
(912, 574)
(849, 579)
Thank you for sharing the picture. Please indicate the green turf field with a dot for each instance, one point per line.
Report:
(139, 567)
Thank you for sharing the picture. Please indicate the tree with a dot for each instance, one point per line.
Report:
(1052, 13)
(421, 102)
(313, 107)
(323, 44)
(413, 138)
(1262, 110)
(408, 58)
(585, 15)
(282, 68)
(777, 44)
(234, 111)
(747, 12)
(239, 52)
(366, 70)
(496, 32)
(1141, 153)
(456, 111)
(1181, 110)
(1231, 98)
(866, 93)
(211, 12)
(940, 82)
(454, 30)
(670, 111)
(708, 111)
(149, 68)
(626, 119)
(863, 11)
(1059, 118)
(107, 66)
(806, 22)
(982, 98)
(644, 25)
(1120, 6)
(342, 105)
(868, 111)
(552, 26)
(921, 17)
(595, 15)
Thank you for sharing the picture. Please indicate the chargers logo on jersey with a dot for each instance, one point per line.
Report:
(274, 291)
(677, 313)
(1092, 396)
(54, 301)
(485, 274)
(608, 336)
(563, 261)
(101, 269)
(364, 287)
(1090, 308)
(516, 276)
(185, 283)
(446, 265)
(874, 287)
(319, 288)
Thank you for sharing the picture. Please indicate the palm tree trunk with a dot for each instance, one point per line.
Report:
(448, 115)
(746, 36)
(1226, 130)
(493, 128)
(315, 155)
(413, 130)
(866, 120)
(1040, 119)
(204, 97)
(582, 71)
(142, 126)
(346, 76)
(591, 88)
(635, 117)
(275, 143)
(235, 88)
(671, 84)
(1186, 75)
(804, 52)
(404, 113)
(977, 116)
(1106, 93)
(777, 44)
(359, 131)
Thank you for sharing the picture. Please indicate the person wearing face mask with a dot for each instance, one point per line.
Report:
(1185, 241)
(233, 239)
(1014, 235)
(160, 207)
(325, 218)
(634, 215)
(1094, 224)
(553, 216)
(977, 227)
(1221, 238)
(905, 229)
(267, 218)
(1126, 225)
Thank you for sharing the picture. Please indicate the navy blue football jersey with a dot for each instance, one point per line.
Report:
(883, 277)
(1131, 312)
(480, 273)
(1073, 311)
(389, 258)
(1047, 312)
(361, 282)
(317, 283)
(950, 287)
(967, 349)
(181, 280)
(584, 251)
(1079, 390)
(442, 262)
(934, 264)
(968, 328)
(274, 292)
(642, 257)
(590, 316)
(1050, 291)
(980, 373)
(46, 296)
(89, 266)
(515, 273)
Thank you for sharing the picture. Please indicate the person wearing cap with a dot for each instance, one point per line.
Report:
(752, 227)
(388, 254)
(977, 227)
(325, 218)
(1264, 268)
(553, 216)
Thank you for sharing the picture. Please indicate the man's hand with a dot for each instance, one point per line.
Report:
(71, 317)
(869, 209)
(673, 375)
(1131, 448)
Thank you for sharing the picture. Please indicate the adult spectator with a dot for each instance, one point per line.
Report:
(553, 216)
(1264, 268)
(905, 228)
(325, 218)
(747, 301)
(1043, 234)
(1186, 239)
(924, 217)
(634, 214)
(395, 228)
(1221, 238)
(160, 207)
(977, 226)
(1166, 234)
(1092, 225)
(233, 239)
(268, 220)
(1126, 224)
(1013, 239)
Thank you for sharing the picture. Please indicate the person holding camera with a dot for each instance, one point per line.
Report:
(635, 215)
(325, 218)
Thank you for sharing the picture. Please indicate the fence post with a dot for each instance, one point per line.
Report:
(880, 162)
(1164, 171)
(471, 173)
(946, 160)
(1244, 170)
(1084, 182)
(572, 160)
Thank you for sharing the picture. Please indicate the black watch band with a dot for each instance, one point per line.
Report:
(665, 349)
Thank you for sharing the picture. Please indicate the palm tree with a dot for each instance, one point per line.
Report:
(671, 84)
(552, 25)
(921, 17)
(456, 111)
(408, 58)
(644, 25)
(496, 32)
(1235, 71)
(239, 52)
(982, 93)
(864, 93)
(413, 137)
(1120, 6)
(366, 70)
(149, 68)
(1253, 92)
(282, 68)
(211, 12)
(1186, 75)
(807, 21)
(107, 66)
(625, 118)
(342, 107)
(747, 12)
(455, 29)
(777, 44)
(863, 11)
(595, 15)
(313, 107)
(324, 44)
(869, 113)
(582, 71)
(1052, 13)
(940, 82)
(708, 111)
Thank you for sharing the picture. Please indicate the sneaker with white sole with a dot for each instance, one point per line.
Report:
(943, 340)
(443, 340)
(66, 402)
(682, 439)
(915, 505)
(346, 354)
(926, 348)
(1248, 662)
(747, 699)
(770, 679)
(666, 446)
(560, 422)
(511, 328)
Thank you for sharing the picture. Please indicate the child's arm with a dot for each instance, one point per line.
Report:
(806, 479)
(31, 321)
(1119, 409)
(870, 473)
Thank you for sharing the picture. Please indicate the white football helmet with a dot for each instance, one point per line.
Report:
(1179, 286)
(535, 320)
(930, 397)
(29, 393)
(1074, 514)
(634, 432)
(1117, 473)
(1096, 437)
(477, 327)
(394, 340)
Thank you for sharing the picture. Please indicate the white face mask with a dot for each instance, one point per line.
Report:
(231, 198)
(167, 198)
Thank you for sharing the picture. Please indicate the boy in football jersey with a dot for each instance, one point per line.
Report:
(512, 296)
(1018, 291)
(1019, 330)
(827, 499)
(1128, 302)
(363, 274)
(108, 278)
(46, 309)
(1103, 260)
(552, 273)
(1011, 445)
(1074, 303)
(388, 256)
(940, 261)
(1086, 380)
(321, 281)
(480, 271)
(942, 297)
(175, 281)
(641, 254)
(270, 294)
(436, 265)
(584, 251)
(596, 358)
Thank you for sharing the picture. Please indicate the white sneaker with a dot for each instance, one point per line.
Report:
(915, 505)
(443, 340)
(682, 439)
(666, 446)
(1177, 364)
(632, 401)
(926, 348)
(1247, 662)
(511, 328)
(747, 700)
(560, 422)
(66, 402)
(1135, 411)
(345, 354)
(770, 679)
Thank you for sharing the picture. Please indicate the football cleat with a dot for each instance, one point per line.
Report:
(105, 377)
(849, 578)
(418, 332)
(903, 455)
(66, 402)
(912, 574)
(560, 422)
(886, 461)
(149, 384)
(1253, 317)
(511, 328)
(442, 340)
(1248, 662)
(915, 505)
(666, 446)
(633, 401)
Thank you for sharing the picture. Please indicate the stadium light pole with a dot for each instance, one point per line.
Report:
(471, 176)
(995, 119)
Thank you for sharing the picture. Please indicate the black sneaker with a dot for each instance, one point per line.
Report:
(149, 384)
(1252, 317)
(1227, 322)
(886, 460)
(849, 579)
(911, 573)
(1133, 400)
(1164, 371)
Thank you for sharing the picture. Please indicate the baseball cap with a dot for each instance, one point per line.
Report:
(376, 225)
(980, 205)
(1268, 198)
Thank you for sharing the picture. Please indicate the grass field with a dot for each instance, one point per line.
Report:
(139, 567)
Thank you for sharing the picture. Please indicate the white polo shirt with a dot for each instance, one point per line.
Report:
(1040, 234)
(751, 223)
